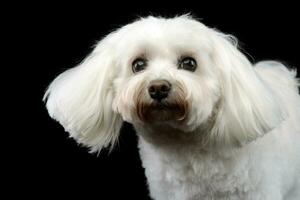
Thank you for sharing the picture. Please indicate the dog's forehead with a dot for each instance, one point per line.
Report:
(158, 34)
(152, 27)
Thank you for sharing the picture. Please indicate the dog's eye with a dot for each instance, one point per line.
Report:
(139, 64)
(187, 63)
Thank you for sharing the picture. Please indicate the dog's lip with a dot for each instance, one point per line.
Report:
(161, 105)
(164, 110)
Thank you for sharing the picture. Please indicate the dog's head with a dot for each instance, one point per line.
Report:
(164, 72)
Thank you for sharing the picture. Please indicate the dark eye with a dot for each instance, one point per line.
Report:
(187, 63)
(139, 64)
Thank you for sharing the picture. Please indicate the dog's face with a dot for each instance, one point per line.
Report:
(164, 72)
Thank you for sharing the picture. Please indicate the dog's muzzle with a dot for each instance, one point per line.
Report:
(166, 103)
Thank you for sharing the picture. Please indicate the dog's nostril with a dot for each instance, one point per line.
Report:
(165, 88)
(159, 89)
(152, 89)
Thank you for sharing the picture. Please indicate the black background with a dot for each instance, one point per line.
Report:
(49, 38)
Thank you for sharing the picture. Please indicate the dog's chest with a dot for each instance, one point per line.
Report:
(184, 173)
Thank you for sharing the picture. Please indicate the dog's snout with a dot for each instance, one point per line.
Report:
(159, 89)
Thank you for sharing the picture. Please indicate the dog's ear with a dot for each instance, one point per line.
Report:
(81, 98)
(248, 107)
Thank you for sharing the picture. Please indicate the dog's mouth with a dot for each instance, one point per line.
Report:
(162, 111)
(173, 108)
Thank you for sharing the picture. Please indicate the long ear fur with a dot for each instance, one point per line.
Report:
(248, 107)
(80, 98)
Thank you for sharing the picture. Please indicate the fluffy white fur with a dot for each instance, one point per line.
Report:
(239, 133)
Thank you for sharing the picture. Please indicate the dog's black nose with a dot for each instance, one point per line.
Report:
(159, 89)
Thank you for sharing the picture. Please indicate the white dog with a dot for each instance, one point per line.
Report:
(210, 124)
